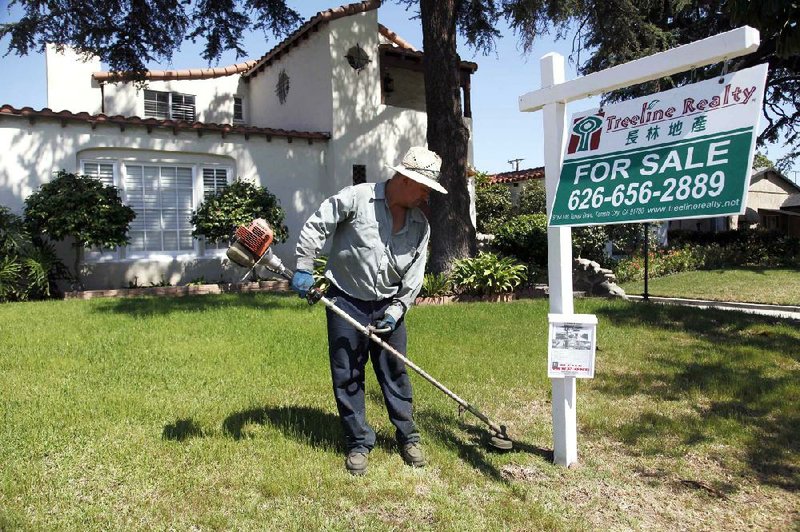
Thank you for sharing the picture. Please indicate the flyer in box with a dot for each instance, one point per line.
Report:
(571, 345)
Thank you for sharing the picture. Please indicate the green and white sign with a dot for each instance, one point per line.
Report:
(684, 153)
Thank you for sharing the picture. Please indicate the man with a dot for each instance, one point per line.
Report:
(379, 244)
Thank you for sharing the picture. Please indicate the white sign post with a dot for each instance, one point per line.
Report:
(552, 99)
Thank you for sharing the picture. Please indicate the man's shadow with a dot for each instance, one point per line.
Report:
(323, 430)
(308, 425)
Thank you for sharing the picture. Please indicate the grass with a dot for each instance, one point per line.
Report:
(748, 285)
(215, 412)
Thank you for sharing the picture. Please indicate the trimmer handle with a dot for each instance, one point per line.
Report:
(314, 294)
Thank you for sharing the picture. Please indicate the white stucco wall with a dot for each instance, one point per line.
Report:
(213, 97)
(70, 85)
(365, 131)
(295, 172)
(308, 102)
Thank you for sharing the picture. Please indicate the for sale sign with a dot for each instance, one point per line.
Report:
(684, 153)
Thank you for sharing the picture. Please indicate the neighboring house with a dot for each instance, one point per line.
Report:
(327, 107)
(514, 180)
(773, 202)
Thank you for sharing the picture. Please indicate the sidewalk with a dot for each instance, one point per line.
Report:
(777, 311)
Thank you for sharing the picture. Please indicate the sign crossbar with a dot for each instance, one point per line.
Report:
(728, 45)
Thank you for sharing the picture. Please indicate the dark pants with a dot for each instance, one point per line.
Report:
(349, 351)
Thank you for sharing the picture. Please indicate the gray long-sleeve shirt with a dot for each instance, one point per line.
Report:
(366, 260)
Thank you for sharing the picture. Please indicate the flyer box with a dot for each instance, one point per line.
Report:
(571, 344)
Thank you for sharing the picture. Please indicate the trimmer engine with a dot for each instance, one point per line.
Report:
(252, 242)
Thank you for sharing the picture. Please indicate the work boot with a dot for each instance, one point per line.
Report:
(412, 454)
(356, 462)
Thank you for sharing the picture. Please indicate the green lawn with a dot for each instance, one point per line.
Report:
(747, 285)
(215, 412)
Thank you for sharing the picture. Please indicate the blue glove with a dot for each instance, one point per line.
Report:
(301, 282)
(386, 322)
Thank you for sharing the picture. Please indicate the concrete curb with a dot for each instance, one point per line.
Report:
(780, 311)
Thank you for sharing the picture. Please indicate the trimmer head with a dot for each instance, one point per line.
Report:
(501, 441)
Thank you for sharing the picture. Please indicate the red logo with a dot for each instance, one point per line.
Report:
(586, 132)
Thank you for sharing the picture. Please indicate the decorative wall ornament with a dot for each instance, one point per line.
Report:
(357, 58)
(282, 87)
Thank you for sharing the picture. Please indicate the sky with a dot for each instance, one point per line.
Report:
(501, 132)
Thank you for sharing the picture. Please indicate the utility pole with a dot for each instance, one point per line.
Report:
(515, 163)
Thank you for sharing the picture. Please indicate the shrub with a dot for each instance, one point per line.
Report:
(492, 204)
(238, 204)
(80, 207)
(487, 274)
(590, 242)
(29, 268)
(745, 247)
(532, 198)
(435, 285)
(524, 237)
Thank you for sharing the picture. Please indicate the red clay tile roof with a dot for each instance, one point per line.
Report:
(395, 38)
(313, 24)
(518, 176)
(192, 73)
(154, 123)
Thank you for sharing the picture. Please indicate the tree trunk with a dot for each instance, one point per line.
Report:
(452, 233)
(78, 283)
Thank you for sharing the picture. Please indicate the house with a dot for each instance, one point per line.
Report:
(327, 107)
(515, 180)
(773, 202)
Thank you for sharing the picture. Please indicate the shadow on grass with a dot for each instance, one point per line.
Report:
(307, 425)
(440, 428)
(163, 305)
(181, 430)
(749, 399)
(475, 451)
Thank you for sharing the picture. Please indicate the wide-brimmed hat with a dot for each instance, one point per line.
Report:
(421, 165)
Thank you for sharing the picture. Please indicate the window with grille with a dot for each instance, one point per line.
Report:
(215, 180)
(182, 107)
(162, 197)
(238, 109)
(164, 105)
(102, 171)
(156, 104)
(359, 174)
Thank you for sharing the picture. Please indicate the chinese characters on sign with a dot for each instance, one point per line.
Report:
(571, 345)
(684, 153)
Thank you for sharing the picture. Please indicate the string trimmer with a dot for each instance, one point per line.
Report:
(251, 248)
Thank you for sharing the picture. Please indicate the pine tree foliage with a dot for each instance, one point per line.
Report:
(127, 34)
